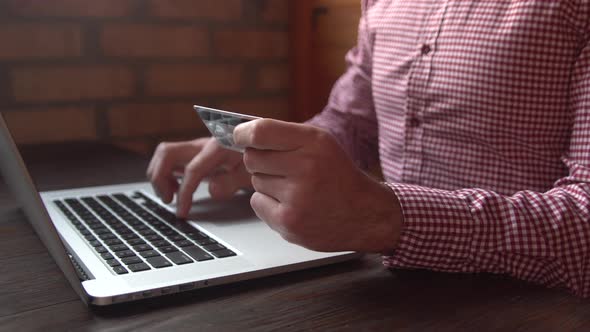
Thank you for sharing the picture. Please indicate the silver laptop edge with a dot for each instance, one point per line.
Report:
(260, 251)
(25, 192)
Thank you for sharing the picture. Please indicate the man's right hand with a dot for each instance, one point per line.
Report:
(196, 160)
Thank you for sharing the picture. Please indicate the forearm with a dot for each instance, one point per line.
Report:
(538, 237)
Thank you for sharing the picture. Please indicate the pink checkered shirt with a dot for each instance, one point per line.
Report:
(479, 112)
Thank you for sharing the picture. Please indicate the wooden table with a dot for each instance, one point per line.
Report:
(353, 296)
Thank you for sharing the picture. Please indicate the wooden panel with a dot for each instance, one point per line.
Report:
(335, 32)
(338, 26)
(300, 34)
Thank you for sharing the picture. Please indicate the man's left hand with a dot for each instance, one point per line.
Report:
(310, 191)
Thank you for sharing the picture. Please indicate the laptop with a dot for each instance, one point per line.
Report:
(119, 243)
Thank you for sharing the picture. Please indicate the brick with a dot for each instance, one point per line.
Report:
(70, 8)
(150, 40)
(71, 83)
(252, 43)
(39, 40)
(52, 125)
(217, 10)
(136, 120)
(193, 80)
(276, 108)
(275, 11)
(273, 78)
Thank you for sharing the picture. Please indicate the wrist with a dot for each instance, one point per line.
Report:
(384, 225)
(395, 220)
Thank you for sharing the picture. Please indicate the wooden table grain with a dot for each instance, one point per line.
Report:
(354, 296)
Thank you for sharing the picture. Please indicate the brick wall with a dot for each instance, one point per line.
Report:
(129, 71)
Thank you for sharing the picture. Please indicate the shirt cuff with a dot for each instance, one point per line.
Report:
(437, 233)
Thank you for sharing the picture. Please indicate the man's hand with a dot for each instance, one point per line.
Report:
(309, 191)
(195, 159)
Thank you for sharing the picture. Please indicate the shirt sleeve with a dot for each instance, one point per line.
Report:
(543, 237)
(350, 113)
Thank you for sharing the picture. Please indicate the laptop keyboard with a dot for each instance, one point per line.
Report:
(132, 237)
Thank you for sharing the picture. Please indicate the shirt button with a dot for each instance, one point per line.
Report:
(414, 122)
(425, 49)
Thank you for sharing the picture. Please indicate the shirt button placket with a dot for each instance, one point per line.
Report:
(418, 100)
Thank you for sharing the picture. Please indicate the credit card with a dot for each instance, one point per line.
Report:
(221, 124)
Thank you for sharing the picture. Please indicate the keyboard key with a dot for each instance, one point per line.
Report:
(163, 227)
(158, 262)
(119, 247)
(100, 249)
(197, 253)
(153, 238)
(196, 235)
(167, 250)
(140, 228)
(149, 253)
(184, 243)
(134, 242)
(213, 247)
(179, 258)
(223, 253)
(107, 256)
(125, 253)
(95, 243)
(112, 242)
(90, 238)
(147, 232)
(107, 236)
(142, 247)
(176, 237)
(161, 243)
(184, 227)
(119, 226)
(131, 220)
(120, 270)
(169, 233)
(113, 262)
(129, 236)
(102, 230)
(138, 267)
(124, 231)
(205, 241)
(131, 260)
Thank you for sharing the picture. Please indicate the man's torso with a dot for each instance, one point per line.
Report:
(474, 93)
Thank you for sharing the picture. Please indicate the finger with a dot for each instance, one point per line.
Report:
(182, 151)
(266, 209)
(224, 186)
(166, 193)
(272, 186)
(279, 163)
(168, 157)
(269, 134)
(209, 159)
